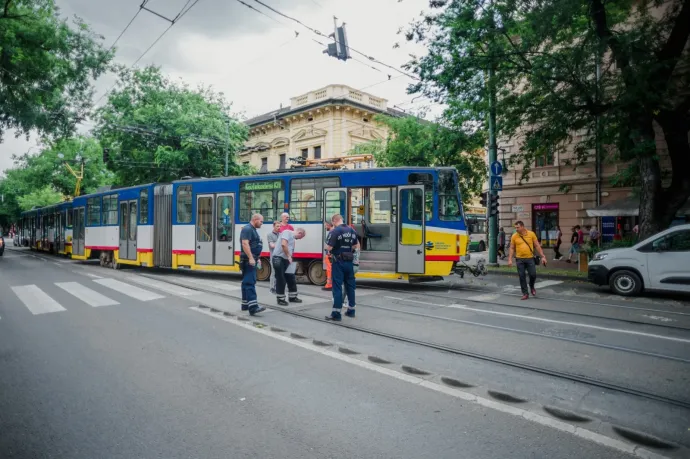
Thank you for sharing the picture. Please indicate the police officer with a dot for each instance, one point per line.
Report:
(342, 244)
(249, 257)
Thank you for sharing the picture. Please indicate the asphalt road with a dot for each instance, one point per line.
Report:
(99, 363)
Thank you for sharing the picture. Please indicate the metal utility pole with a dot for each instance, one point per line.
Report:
(227, 141)
(493, 153)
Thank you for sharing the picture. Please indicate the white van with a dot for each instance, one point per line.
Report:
(661, 263)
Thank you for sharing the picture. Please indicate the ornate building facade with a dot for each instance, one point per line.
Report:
(325, 123)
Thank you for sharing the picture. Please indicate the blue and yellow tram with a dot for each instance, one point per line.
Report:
(410, 220)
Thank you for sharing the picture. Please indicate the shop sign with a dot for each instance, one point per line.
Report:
(549, 206)
(518, 208)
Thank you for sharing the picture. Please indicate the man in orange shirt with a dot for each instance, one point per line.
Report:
(523, 244)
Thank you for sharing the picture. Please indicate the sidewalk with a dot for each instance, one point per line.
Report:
(556, 269)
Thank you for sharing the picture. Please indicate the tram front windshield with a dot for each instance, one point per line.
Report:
(449, 196)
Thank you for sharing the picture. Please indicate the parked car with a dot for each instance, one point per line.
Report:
(658, 263)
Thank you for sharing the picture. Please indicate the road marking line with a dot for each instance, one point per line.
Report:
(88, 296)
(92, 275)
(129, 290)
(164, 286)
(541, 319)
(547, 283)
(536, 418)
(36, 300)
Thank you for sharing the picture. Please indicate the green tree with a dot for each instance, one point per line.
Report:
(159, 130)
(34, 172)
(46, 68)
(545, 56)
(412, 142)
(39, 198)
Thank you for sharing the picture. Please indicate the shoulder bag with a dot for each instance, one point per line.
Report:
(537, 258)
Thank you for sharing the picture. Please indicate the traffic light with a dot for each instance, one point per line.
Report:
(483, 199)
(106, 155)
(340, 49)
(493, 210)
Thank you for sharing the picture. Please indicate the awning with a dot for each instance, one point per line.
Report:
(627, 207)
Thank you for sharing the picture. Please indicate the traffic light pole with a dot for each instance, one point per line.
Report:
(493, 156)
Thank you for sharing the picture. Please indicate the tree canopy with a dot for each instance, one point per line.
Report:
(44, 179)
(46, 68)
(546, 56)
(158, 130)
(412, 142)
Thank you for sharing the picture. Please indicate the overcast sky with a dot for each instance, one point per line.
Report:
(255, 60)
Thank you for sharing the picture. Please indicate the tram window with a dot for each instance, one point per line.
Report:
(306, 198)
(93, 217)
(184, 204)
(144, 207)
(110, 209)
(204, 219)
(448, 203)
(380, 205)
(356, 201)
(69, 219)
(266, 197)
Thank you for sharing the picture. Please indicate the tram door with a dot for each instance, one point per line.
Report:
(215, 229)
(78, 231)
(411, 228)
(335, 200)
(61, 220)
(128, 230)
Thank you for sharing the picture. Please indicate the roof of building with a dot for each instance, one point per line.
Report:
(284, 111)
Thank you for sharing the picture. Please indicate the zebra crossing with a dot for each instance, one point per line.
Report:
(38, 300)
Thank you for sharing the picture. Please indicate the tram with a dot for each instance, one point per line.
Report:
(409, 221)
(48, 229)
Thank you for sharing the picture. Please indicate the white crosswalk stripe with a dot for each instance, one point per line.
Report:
(36, 300)
(88, 296)
(164, 286)
(129, 290)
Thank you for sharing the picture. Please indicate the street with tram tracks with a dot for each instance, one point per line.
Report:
(586, 369)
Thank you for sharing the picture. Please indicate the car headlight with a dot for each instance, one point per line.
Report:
(600, 256)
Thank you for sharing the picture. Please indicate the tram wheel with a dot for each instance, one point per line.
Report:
(315, 272)
(264, 273)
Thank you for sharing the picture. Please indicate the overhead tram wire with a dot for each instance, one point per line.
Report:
(174, 21)
(313, 30)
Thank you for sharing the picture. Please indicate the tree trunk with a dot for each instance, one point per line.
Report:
(651, 192)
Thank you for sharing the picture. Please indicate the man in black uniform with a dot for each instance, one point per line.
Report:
(249, 258)
(342, 244)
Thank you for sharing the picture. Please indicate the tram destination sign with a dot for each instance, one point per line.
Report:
(263, 186)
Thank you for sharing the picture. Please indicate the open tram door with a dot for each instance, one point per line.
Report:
(411, 230)
(215, 229)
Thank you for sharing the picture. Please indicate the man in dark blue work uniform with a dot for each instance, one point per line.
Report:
(249, 257)
(342, 244)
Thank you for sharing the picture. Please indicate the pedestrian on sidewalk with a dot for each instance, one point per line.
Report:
(327, 259)
(557, 255)
(523, 244)
(342, 245)
(285, 222)
(501, 243)
(249, 259)
(272, 240)
(284, 266)
(574, 243)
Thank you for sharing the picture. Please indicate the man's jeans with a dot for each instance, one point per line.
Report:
(526, 266)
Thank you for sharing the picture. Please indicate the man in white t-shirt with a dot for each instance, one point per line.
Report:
(284, 266)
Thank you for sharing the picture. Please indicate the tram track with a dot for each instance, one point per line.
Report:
(579, 378)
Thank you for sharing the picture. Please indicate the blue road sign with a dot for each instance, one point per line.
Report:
(496, 183)
(496, 168)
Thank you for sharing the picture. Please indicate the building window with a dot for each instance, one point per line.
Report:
(317, 152)
(144, 207)
(184, 204)
(110, 209)
(305, 153)
(93, 216)
(282, 161)
(306, 198)
(245, 163)
(544, 223)
(366, 120)
(544, 159)
(266, 197)
(264, 165)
